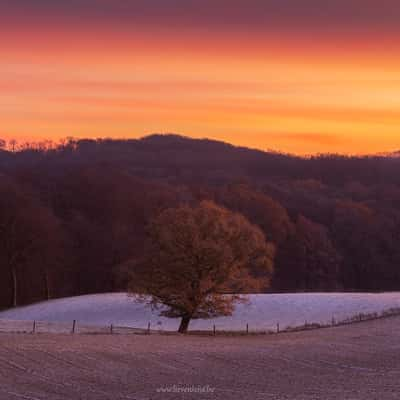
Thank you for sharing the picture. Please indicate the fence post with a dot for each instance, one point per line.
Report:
(73, 326)
(247, 329)
(111, 329)
(333, 320)
(34, 327)
(277, 327)
(148, 328)
(214, 330)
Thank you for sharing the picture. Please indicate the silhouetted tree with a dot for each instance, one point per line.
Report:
(355, 233)
(28, 233)
(259, 208)
(13, 145)
(308, 260)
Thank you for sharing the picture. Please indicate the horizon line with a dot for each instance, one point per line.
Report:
(19, 145)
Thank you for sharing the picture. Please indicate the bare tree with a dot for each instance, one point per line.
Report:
(13, 143)
(196, 258)
(28, 236)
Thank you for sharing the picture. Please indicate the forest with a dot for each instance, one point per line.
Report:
(72, 214)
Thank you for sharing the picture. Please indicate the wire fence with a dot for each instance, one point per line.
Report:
(73, 327)
(76, 327)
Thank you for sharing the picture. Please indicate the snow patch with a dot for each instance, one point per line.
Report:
(262, 312)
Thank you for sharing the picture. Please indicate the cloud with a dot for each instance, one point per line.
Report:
(314, 138)
(261, 15)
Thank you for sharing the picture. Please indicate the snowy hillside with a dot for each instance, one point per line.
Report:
(262, 312)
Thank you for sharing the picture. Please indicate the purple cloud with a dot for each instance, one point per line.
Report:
(261, 15)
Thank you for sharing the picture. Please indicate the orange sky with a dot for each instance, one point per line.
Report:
(284, 90)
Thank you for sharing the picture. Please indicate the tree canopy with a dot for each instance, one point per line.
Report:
(197, 259)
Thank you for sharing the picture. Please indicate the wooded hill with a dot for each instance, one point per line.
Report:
(71, 215)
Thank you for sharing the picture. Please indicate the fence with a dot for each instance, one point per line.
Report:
(74, 327)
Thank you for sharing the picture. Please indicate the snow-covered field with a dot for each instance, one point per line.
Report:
(262, 312)
(356, 361)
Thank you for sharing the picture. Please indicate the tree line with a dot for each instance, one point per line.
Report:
(72, 215)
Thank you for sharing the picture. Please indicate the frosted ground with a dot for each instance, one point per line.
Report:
(262, 312)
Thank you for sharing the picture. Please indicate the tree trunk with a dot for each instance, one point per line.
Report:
(183, 327)
(47, 285)
(14, 279)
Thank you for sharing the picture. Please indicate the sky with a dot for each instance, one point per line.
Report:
(298, 76)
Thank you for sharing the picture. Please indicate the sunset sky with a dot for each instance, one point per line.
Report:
(300, 76)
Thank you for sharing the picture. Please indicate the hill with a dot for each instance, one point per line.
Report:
(262, 312)
(168, 155)
(82, 208)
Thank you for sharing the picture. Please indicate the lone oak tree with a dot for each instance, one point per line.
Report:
(199, 261)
